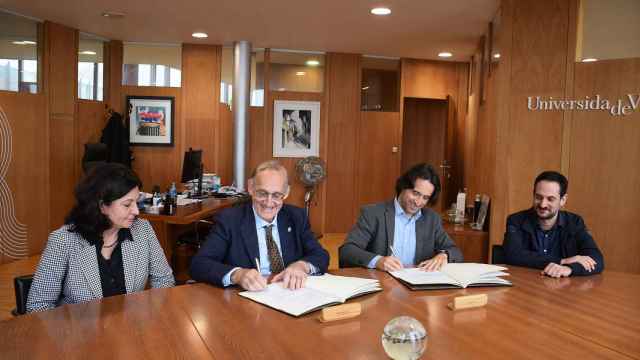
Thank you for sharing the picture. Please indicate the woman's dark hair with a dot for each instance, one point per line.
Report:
(422, 171)
(102, 185)
(553, 176)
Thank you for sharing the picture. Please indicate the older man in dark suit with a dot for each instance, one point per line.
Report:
(264, 234)
(402, 232)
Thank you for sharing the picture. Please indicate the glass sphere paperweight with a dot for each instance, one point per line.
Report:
(404, 338)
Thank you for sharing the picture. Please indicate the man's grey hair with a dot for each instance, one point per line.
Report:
(274, 165)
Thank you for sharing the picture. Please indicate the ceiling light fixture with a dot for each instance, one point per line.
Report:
(112, 14)
(25, 42)
(589, 60)
(301, 73)
(445, 54)
(312, 62)
(381, 11)
(496, 55)
(87, 52)
(200, 35)
(365, 88)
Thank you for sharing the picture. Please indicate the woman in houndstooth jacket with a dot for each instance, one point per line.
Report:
(103, 249)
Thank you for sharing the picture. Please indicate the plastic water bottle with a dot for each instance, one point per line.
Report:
(461, 206)
(173, 192)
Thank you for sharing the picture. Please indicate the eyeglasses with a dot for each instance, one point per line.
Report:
(264, 195)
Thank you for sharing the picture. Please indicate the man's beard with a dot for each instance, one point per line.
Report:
(550, 214)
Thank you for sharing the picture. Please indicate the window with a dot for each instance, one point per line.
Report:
(18, 53)
(226, 76)
(257, 77)
(151, 65)
(90, 67)
(379, 90)
(296, 71)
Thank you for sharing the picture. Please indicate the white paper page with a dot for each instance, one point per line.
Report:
(415, 276)
(468, 273)
(342, 287)
(294, 302)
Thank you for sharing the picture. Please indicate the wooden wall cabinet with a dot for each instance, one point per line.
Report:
(474, 244)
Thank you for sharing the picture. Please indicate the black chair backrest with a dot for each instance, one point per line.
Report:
(21, 285)
(497, 255)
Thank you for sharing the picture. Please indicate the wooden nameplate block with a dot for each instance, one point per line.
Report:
(467, 302)
(340, 312)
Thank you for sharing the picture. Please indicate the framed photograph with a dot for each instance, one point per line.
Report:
(296, 128)
(150, 120)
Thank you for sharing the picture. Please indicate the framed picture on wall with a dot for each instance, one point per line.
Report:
(151, 120)
(296, 128)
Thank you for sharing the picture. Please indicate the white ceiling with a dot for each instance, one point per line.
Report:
(416, 28)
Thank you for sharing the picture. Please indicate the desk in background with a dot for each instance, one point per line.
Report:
(474, 244)
(169, 227)
(596, 317)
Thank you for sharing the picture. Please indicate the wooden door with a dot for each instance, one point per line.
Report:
(378, 164)
(424, 139)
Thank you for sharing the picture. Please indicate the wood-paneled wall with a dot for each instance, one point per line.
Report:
(593, 149)
(200, 124)
(113, 75)
(604, 157)
(60, 73)
(91, 121)
(343, 101)
(377, 164)
(224, 145)
(429, 79)
(159, 165)
(24, 187)
(526, 143)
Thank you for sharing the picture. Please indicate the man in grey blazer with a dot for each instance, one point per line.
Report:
(403, 232)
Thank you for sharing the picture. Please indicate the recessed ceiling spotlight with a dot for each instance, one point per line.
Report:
(381, 11)
(445, 54)
(589, 60)
(25, 42)
(496, 55)
(200, 35)
(312, 62)
(301, 73)
(87, 52)
(112, 14)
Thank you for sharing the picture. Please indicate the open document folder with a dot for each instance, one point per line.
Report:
(319, 292)
(452, 276)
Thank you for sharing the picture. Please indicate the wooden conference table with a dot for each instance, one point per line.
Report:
(594, 317)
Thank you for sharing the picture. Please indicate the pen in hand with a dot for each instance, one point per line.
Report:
(392, 263)
(393, 252)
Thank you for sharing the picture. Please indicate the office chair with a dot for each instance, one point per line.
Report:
(497, 255)
(94, 154)
(187, 246)
(21, 285)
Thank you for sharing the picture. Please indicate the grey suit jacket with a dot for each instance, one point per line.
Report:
(373, 234)
(68, 270)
